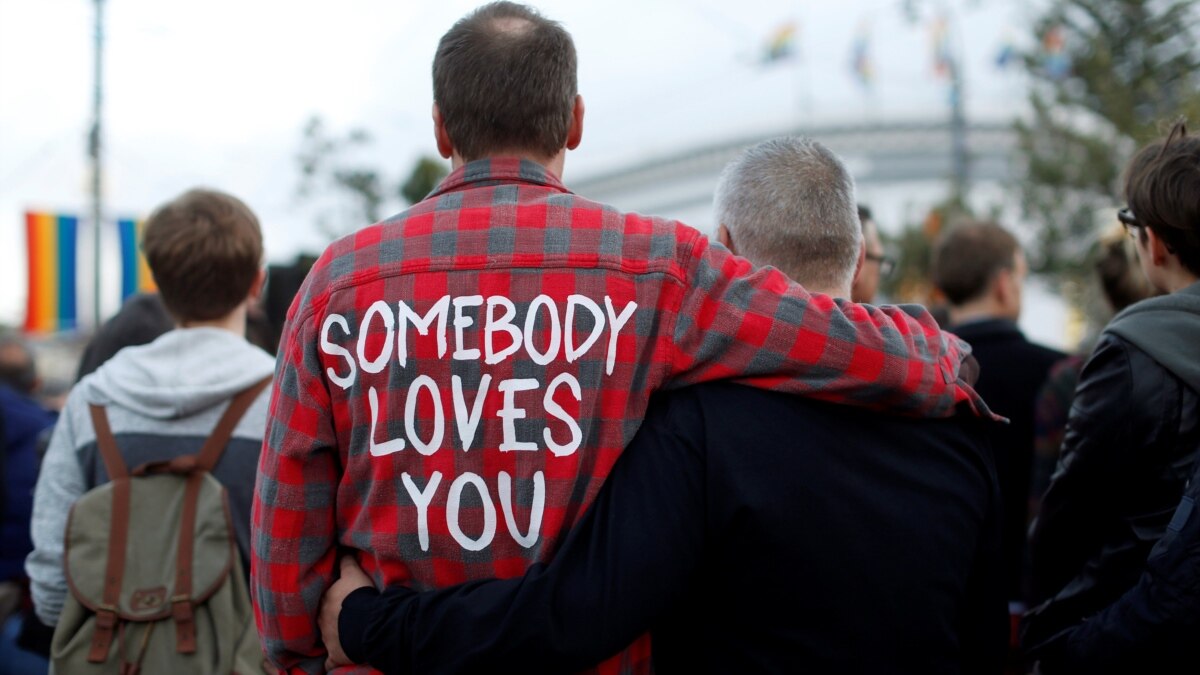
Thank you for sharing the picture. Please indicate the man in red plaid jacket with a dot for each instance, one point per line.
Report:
(455, 383)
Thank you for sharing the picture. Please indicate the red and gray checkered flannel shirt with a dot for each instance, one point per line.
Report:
(454, 384)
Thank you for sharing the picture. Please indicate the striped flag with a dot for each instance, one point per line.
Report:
(939, 40)
(860, 55)
(1056, 62)
(781, 44)
(135, 273)
(51, 244)
(1006, 55)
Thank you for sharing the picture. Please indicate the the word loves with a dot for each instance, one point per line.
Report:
(486, 329)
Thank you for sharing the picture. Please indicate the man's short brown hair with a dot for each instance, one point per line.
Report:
(204, 249)
(968, 257)
(1162, 184)
(504, 80)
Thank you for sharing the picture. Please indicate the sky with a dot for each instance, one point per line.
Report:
(217, 94)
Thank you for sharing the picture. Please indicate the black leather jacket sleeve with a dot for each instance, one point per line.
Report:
(1152, 627)
(1106, 417)
(1129, 448)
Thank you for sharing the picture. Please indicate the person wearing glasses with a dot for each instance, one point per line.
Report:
(1128, 454)
(876, 264)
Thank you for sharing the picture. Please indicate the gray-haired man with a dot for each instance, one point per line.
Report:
(789, 203)
(751, 531)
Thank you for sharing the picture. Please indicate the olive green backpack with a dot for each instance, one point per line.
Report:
(151, 561)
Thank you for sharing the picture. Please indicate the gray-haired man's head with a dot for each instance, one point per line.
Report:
(789, 203)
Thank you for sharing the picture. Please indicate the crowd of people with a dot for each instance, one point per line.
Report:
(511, 429)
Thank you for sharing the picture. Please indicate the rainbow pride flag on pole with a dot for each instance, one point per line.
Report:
(860, 55)
(781, 44)
(51, 241)
(135, 273)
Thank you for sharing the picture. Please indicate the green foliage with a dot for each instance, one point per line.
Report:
(348, 190)
(1128, 68)
(424, 177)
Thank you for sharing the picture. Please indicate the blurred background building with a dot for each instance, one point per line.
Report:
(1021, 110)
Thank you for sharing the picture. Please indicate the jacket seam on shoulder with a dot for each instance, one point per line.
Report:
(668, 270)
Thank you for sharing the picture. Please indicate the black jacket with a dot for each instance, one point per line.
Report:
(1153, 627)
(755, 533)
(1011, 373)
(1128, 453)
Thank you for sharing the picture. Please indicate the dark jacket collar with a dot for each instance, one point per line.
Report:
(992, 329)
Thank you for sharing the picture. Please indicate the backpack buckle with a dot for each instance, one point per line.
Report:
(102, 636)
(185, 624)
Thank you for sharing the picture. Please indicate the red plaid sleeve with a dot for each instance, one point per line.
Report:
(756, 326)
(293, 536)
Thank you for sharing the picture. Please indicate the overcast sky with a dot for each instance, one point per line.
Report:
(217, 93)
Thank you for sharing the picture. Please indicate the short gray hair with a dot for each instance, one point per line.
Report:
(789, 202)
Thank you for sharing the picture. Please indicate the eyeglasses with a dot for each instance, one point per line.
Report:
(886, 263)
(1128, 220)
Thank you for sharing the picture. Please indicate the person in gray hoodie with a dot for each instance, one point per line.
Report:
(1131, 442)
(164, 398)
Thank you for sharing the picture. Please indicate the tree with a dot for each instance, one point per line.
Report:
(336, 172)
(1108, 74)
(348, 190)
(425, 176)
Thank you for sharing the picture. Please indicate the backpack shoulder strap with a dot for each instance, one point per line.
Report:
(210, 454)
(114, 571)
(182, 609)
(108, 444)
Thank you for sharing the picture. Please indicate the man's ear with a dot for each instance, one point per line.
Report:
(1002, 286)
(725, 238)
(1157, 248)
(862, 260)
(259, 285)
(444, 146)
(575, 132)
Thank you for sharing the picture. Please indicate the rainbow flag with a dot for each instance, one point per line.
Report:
(860, 55)
(135, 273)
(1056, 62)
(1007, 54)
(51, 239)
(781, 44)
(939, 40)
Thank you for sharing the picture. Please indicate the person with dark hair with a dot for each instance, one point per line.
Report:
(1129, 451)
(18, 367)
(876, 264)
(163, 398)
(141, 319)
(26, 421)
(456, 382)
(981, 269)
(750, 471)
(22, 420)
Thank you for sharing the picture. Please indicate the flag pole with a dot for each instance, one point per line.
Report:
(958, 118)
(94, 147)
(805, 103)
